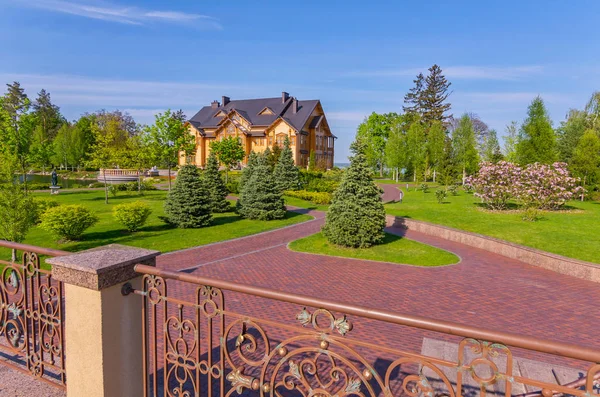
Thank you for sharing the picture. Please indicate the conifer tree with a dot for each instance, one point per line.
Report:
(286, 173)
(259, 198)
(414, 98)
(247, 171)
(433, 101)
(215, 185)
(188, 203)
(356, 217)
(537, 140)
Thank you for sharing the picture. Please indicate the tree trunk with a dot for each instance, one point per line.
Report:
(464, 178)
(14, 255)
(226, 175)
(434, 176)
(169, 177)
(139, 182)
(381, 170)
(105, 186)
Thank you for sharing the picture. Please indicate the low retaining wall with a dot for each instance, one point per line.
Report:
(560, 264)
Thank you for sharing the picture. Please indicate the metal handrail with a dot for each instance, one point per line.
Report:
(446, 327)
(33, 248)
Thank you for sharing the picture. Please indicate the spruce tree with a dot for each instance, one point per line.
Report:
(248, 169)
(537, 140)
(215, 185)
(356, 217)
(286, 173)
(414, 98)
(260, 199)
(433, 101)
(188, 203)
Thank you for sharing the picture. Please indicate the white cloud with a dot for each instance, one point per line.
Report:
(124, 15)
(460, 72)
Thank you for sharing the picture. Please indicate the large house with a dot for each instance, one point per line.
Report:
(262, 123)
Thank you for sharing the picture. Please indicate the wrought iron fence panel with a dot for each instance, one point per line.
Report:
(194, 345)
(32, 319)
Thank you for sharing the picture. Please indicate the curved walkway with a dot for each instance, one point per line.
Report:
(484, 289)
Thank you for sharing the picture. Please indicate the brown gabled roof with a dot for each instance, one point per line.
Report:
(250, 109)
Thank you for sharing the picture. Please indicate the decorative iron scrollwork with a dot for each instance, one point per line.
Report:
(341, 325)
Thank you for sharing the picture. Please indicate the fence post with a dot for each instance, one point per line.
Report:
(103, 330)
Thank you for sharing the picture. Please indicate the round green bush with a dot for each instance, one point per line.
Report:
(41, 206)
(132, 215)
(68, 221)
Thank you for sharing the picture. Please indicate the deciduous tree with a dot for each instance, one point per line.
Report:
(229, 151)
(464, 147)
(586, 158)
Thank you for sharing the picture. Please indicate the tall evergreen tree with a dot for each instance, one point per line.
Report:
(47, 115)
(414, 98)
(537, 140)
(356, 217)
(286, 173)
(434, 96)
(272, 156)
(464, 147)
(260, 198)
(188, 203)
(215, 185)
(586, 158)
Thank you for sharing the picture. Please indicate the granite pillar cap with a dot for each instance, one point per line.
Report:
(101, 267)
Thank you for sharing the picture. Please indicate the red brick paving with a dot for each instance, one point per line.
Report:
(485, 289)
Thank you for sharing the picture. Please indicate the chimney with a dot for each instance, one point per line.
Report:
(214, 104)
(284, 96)
(294, 106)
(225, 100)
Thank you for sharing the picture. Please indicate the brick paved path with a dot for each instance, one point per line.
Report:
(484, 289)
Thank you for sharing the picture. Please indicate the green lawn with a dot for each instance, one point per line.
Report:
(572, 233)
(296, 202)
(155, 234)
(394, 249)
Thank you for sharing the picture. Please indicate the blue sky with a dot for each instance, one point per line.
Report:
(356, 56)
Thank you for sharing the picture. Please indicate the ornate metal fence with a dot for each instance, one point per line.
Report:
(196, 345)
(32, 315)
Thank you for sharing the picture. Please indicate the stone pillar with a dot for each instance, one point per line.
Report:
(103, 330)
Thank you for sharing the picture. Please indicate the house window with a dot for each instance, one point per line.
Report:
(280, 140)
(270, 141)
(230, 130)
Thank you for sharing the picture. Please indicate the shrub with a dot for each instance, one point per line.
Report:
(495, 184)
(68, 221)
(531, 214)
(453, 189)
(424, 187)
(322, 185)
(356, 217)
(41, 206)
(132, 215)
(440, 195)
(188, 204)
(233, 187)
(547, 187)
(313, 197)
(113, 190)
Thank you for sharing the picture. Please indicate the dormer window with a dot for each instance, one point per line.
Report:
(266, 111)
(221, 114)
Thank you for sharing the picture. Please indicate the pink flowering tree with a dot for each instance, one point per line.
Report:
(547, 187)
(495, 184)
(541, 186)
